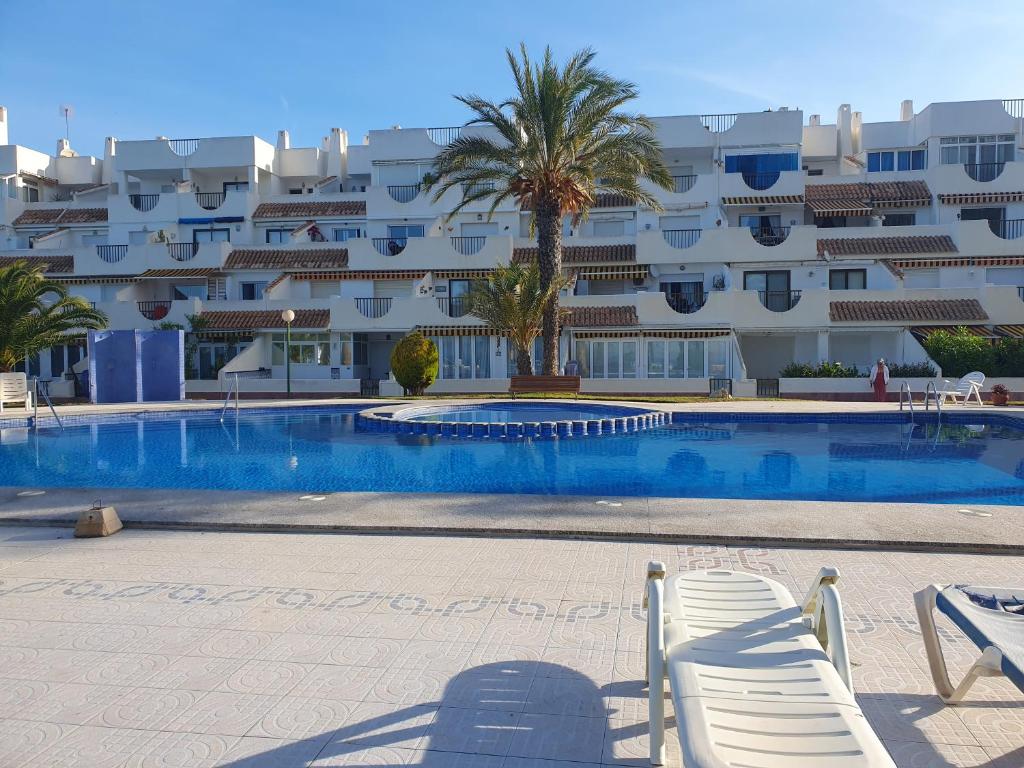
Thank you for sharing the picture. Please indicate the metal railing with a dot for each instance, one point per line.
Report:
(770, 236)
(390, 246)
(984, 171)
(905, 387)
(931, 389)
(716, 385)
(686, 303)
(112, 253)
(373, 307)
(182, 251)
(183, 147)
(761, 181)
(210, 201)
(444, 136)
(681, 238)
(767, 387)
(1014, 107)
(779, 301)
(154, 310)
(233, 388)
(477, 188)
(1008, 229)
(35, 406)
(718, 123)
(403, 193)
(682, 184)
(467, 246)
(454, 306)
(143, 203)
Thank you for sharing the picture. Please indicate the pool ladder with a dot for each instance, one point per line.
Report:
(35, 406)
(905, 387)
(935, 396)
(227, 400)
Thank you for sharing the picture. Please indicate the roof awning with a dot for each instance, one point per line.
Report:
(178, 273)
(1012, 331)
(97, 279)
(212, 220)
(839, 207)
(457, 330)
(614, 272)
(922, 332)
(655, 333)
(764, 200)
(974, 198)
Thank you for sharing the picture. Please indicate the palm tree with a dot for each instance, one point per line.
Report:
(562, 140)
(512, 300)
(37, 313)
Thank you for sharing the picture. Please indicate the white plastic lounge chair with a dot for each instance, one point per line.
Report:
(14, 389)
(994, 621)
(757, 680)
(969, 386)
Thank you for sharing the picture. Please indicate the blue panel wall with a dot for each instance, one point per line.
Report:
(162, 357)
(136, 366)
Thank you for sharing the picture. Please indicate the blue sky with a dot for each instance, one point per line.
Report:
(187, 69)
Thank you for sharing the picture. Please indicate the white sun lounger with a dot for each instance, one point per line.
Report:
(967, 387)
(757, 680)
(14, 389)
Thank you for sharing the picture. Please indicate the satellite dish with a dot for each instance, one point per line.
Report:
(67, 112)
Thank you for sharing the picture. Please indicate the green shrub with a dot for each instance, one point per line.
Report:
(414, 362)
(912, 371)
(959, 352)
(824, 370)
(1009, 357)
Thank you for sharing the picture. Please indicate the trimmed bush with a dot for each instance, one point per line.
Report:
(959, 352)
(824, 370)
(912, 371)
(1009, 357)
(414, 362)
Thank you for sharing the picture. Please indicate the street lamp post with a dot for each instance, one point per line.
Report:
(288, 316)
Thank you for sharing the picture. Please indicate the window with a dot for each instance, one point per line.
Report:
(138, 237)
(353, 348)
(252, 291)
(897, 160)
(306, 348)
(464, 357)
(216, 289)
(405, 230)
(899, 219)
(295, 191)
(211, 235)
(31, 194)
(772, 288)
(609, 228)
(994, 217)
(815, 171)
(184, 292)
(279, 235)
(606, 358)
(681, 359)
(977, 150)
(536, 358)
(341, 234)
(763, 163)
(236, 186)
(847, 279)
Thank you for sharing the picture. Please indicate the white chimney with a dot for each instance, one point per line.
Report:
(815, 121)
(283, 140)
(3, 125)
(906, 109)
(64, 149)
(844, 120)
(109, 151)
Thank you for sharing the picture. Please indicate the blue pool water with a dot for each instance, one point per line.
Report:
(318, 449)
(503, 413)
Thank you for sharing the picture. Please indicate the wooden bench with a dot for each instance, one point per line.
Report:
(530, 384)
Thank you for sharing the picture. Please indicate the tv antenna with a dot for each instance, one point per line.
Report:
(67, 112)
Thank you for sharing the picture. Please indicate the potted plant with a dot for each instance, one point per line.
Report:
(1000, 395)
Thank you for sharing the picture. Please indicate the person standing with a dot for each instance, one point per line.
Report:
(879, 379)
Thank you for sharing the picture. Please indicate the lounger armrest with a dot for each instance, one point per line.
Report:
(654, 597)
(823, 612)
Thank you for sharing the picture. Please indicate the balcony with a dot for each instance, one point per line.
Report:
(478, 188)
(779, 301)
(154, 310)
(770, 236)
(686, 303)
(183, 147)
(681, 238)
(210, 201)
(683, 184)
(984, 171)
(1008, 229)
(112, 253)
(444, 136)
(718, 123)
(390, 246)
(182, 251)
(404, 193)
(454, 306)
(468, 246)
(143, 203)
(373, 307)
(761, 181)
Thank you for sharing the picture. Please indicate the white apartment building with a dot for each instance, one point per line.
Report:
(781, 242)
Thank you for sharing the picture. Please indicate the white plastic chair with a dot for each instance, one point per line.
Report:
(969, 386)
(14, 389)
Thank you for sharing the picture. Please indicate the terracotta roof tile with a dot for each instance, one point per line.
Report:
(584, 254)
(38, 216)
(55, 265)
(876, 194)
(310, 210)
(254, 320)
(875, 246)
(287, 258)
(928, 310)
(601, 317)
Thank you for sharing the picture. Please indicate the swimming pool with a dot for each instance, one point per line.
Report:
(879, 457)
(501, 413)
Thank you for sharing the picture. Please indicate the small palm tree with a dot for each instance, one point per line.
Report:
(37, 313)
(512, 300)
(562, 140)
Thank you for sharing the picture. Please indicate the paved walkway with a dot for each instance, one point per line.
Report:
(200, 649)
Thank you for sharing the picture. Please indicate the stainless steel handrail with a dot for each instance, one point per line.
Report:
(905, 386)
(35, 406)
(935, 395)
(227, 400)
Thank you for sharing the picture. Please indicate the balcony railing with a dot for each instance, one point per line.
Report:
(779, 301)
(210, 201)
(485, 187)
(403, 193)
(984, 171)
(1008, 229)
(143, 203)
(444, 136)
(1014, 107)
(770, 236)
(467, 246)
(1020, 292)
(112, 253)
(154, 310)
(686, 303)
(681, 238)
(390, 246)
(454, 306)
(183, 147)
(373, 308)
(718, 123)
(182, 251)
(760, 181)
(682, 184)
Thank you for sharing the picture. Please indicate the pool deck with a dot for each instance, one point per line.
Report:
(187, 649)
(977, 528)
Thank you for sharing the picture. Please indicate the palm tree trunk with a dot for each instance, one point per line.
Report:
(549, 260)
(524, 365)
